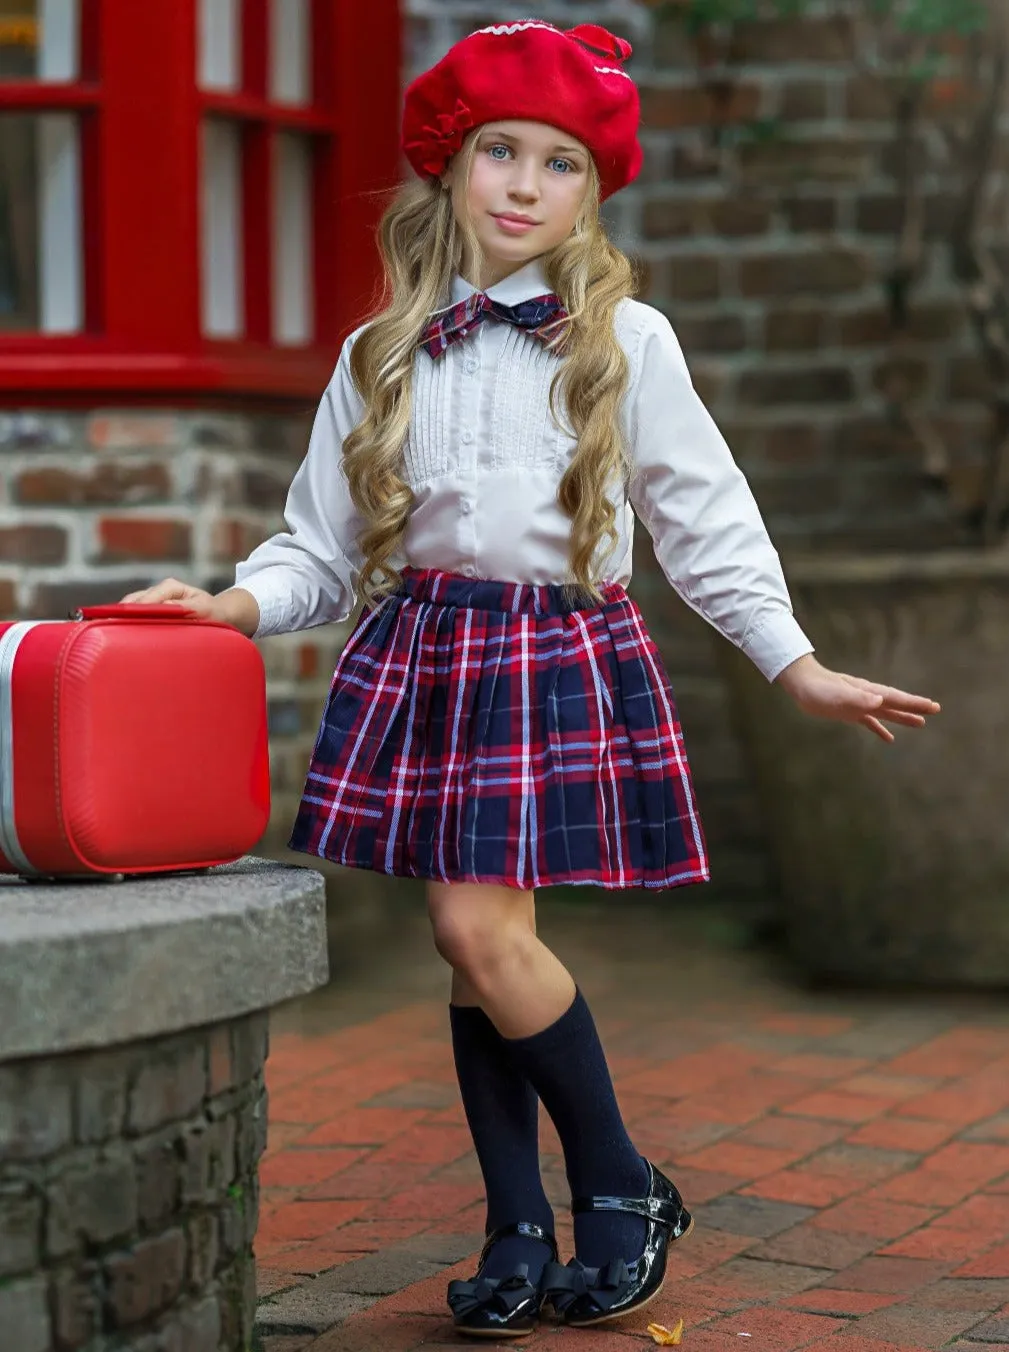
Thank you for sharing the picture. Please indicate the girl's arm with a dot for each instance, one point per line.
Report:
(307, 576)
(713, 547)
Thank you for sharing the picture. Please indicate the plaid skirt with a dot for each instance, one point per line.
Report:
(497, 732)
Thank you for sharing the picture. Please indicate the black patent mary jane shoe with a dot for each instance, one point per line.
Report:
(583, 1296)
(500, 1307)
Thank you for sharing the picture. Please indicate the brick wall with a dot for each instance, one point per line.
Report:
(129, 1194)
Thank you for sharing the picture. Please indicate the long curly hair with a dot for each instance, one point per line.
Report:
(422, 246)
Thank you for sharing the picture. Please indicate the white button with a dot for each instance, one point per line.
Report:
(471, 366)
(470, 570)
(467, 437)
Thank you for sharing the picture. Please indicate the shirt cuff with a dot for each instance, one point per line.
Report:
(272, 603)
(775, 643)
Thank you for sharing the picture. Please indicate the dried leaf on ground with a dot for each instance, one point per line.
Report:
(667, 1337)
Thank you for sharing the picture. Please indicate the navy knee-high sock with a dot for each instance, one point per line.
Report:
(567, 1068)
(503, 1115)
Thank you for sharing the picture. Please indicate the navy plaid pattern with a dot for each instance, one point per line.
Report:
(497, 732)
(538, 316)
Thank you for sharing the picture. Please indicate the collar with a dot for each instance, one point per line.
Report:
(527, 282)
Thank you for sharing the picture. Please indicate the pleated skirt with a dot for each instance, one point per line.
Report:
(497, 732)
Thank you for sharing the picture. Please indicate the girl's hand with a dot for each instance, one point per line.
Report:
(174, 593)
(850, 699)
(235, 607)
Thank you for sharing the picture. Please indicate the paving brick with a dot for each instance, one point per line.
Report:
(777, 1329)
(914, 1324)
(418, 1094)
(841, 1303)
(924, 1187)
(866, 1163)
(993, 1263)
(363, 1126)
(899, 1275)
(308, 1309)
(803, 1187)
(750, 1216)
(815, 1248)
(838, 1106)
(743, 1161)
(937, 1241)
(992, 1331)
(307, 1220)
(987, 1294)
(803, 1134)
(904, 1133)
(817, 1066)
(297, 1167)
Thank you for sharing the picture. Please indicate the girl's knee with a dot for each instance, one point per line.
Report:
(473, 933)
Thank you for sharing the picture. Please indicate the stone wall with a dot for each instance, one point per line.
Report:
(129, 1194)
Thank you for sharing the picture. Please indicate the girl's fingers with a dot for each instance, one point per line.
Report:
(874, 725)
(902, 699)
(905, 720)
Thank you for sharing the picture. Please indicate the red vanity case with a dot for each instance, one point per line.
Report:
(132, 740)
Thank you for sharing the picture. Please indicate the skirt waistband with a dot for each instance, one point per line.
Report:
(441, 587)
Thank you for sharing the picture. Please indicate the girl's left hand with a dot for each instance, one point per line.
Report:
(850, 699)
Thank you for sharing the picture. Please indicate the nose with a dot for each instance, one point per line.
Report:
(525, 183)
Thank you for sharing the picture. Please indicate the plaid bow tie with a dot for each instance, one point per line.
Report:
(451, 326)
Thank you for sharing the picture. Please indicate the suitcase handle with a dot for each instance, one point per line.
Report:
(130, 612)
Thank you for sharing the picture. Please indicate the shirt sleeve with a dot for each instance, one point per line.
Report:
(708, 534)
(308, 575)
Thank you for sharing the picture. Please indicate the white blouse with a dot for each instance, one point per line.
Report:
(484, 459)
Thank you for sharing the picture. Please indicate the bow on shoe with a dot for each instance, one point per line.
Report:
(507, 1293)
(564, 1285)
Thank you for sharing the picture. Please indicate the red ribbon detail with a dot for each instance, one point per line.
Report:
(439, 143)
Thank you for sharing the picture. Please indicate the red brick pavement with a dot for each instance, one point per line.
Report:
(847, 1159)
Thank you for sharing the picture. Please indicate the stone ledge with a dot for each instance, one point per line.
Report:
(92, 964)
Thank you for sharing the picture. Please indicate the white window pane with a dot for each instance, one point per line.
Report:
(60, 271)
(293, 318)
(39, 39)
(40, 223)
(221, 270)
(290, 51)
(219, 46)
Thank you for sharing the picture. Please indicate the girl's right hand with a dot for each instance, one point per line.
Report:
(235, 607)
(171, 592)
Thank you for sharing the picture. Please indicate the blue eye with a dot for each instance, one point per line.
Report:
(566, 167)
(492, 151)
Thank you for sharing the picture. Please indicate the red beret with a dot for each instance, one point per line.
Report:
(535, 72)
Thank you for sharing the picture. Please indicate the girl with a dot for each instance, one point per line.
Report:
(500, 719)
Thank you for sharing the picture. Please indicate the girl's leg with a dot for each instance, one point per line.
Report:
(532, 1001)
(502, 1110)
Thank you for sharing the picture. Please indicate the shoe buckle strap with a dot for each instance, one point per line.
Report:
(660, 1209)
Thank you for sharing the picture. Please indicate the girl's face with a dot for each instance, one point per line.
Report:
(526, 188)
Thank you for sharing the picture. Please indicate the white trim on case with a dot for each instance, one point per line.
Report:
(9, 842)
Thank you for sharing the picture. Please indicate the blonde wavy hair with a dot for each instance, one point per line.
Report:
(422, 246)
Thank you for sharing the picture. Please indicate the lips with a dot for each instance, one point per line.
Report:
(509, 218)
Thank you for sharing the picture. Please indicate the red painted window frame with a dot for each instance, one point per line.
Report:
(140, 115)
